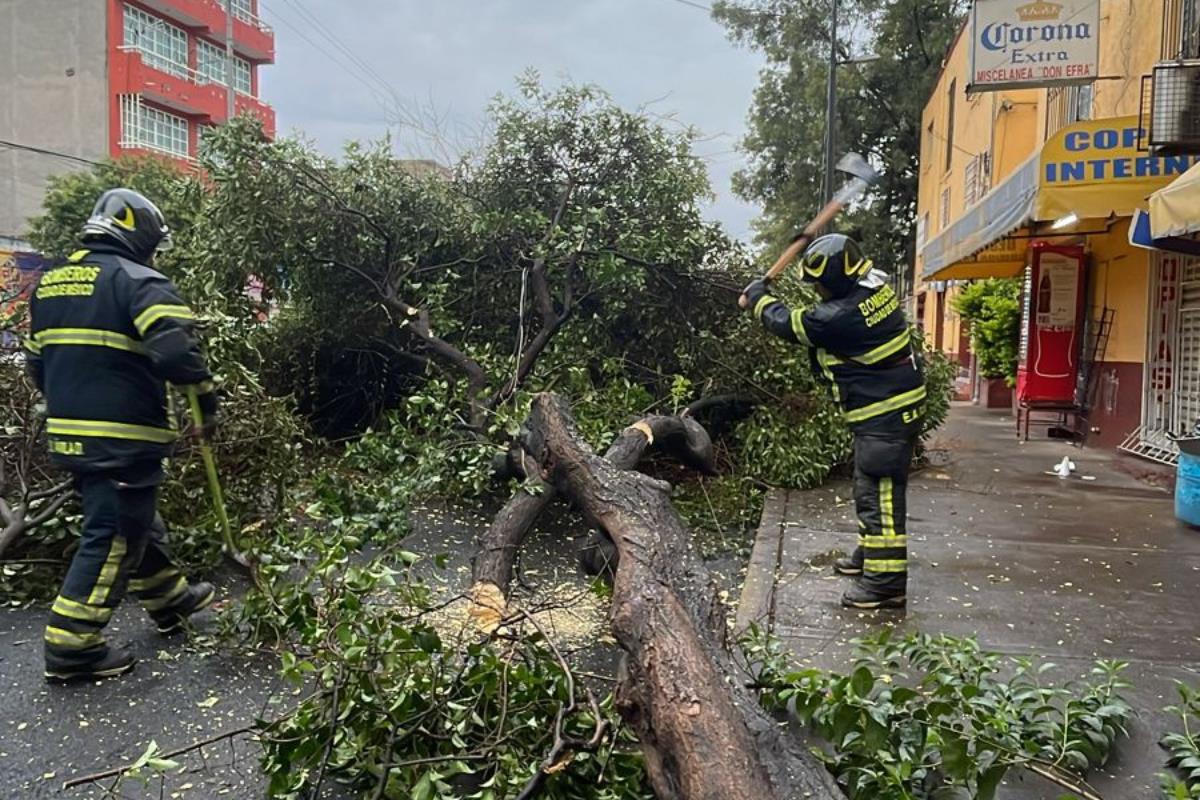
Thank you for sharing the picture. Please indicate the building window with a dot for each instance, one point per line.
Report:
(149, 128)
(242, 9)
(945, 207)
(922, 229)
(1079, 102)
(976, 179)
(210, 66)
(162, 45)
(950, 125)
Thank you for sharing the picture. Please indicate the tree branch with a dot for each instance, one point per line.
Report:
(477, 379)
(51, 509)
(117, 772)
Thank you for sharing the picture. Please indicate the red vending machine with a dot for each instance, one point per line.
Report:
(1051, 325)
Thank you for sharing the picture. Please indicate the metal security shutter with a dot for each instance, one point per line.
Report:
(1171, 388)
(1186, 398)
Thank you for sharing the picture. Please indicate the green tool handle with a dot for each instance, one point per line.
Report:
(210, 466)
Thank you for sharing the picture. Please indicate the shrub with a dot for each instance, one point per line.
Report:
(993, 309)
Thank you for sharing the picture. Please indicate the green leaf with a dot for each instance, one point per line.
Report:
(956, 761)
(990, 780)
(862, 682)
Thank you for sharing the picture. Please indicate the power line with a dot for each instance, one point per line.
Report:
(329, 36)
(50, 153)
(699, 6)
(379, 98)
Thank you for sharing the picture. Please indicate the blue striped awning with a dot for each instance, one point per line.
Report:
(1000, 212)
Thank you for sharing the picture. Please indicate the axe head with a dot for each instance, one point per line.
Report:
(855, 165)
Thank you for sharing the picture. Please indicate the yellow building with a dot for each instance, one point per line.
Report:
(1069, 165)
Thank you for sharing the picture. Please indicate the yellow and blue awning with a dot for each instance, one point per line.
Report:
(1088, 170)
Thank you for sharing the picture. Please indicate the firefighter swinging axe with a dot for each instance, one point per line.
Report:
(862, 177)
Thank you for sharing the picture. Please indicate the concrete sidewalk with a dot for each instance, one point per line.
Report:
(1067, 570)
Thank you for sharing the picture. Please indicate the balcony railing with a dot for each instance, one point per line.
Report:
(247, 17)
(155, 61)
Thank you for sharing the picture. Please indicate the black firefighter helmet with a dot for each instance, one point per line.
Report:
(835, 263)
(128, 220)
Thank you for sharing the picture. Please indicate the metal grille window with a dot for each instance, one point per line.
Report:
(162, 45)
(210, 64)
(242, 9)
(145, 127)
(945, 218)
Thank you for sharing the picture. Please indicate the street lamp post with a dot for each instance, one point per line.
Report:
(831, 104)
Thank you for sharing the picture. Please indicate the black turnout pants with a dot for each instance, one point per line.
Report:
(121, 548)
(881, 464)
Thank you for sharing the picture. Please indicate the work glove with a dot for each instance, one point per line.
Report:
(210, 415)
(754, 292)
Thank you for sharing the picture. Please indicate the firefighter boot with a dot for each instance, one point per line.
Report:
(114, 663)
(851, 564)
(860, 595)
(198, 597)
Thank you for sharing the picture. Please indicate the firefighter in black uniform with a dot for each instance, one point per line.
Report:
(107, 333)
(861, 345)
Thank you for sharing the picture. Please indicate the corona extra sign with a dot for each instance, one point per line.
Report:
(1021, 44)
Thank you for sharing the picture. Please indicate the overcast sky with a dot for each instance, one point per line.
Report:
(455, 55)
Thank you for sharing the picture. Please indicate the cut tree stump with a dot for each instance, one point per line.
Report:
(703, 735)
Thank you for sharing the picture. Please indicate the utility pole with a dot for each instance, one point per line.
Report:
(831, 103)
(230, 100)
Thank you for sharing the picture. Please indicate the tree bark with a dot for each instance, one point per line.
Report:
(683, 437)
(703, 734)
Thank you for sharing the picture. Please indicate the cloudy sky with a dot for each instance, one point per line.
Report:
(447, 58)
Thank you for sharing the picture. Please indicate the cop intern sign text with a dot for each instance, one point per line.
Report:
(1021, 44)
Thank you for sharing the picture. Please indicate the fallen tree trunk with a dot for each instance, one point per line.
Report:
(492, 566)
(703, 735)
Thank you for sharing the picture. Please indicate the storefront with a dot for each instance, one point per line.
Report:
(1082, 189)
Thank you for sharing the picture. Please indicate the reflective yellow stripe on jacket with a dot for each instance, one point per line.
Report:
(871, 357)
(154, 313)
(95, 337)
(896, 403)
(108, 430)
(886, 349)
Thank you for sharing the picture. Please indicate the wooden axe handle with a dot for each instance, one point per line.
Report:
(822, 219)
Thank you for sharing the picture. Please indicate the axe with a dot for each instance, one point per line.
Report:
(862, 177)
(214, 483)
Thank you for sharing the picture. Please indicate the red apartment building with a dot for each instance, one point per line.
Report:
(91, 79)
(167, 71)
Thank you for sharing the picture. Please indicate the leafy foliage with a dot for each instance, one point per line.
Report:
(993, 307)
(939, 717)
(403, 705)
(1183, 748)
